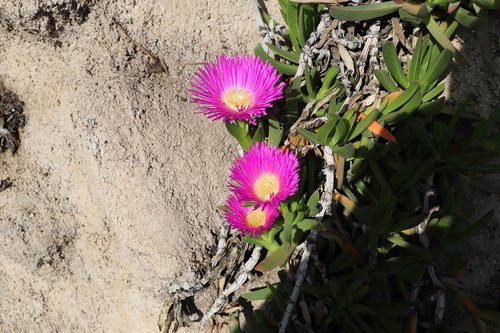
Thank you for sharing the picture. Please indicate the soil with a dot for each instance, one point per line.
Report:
(115, 185)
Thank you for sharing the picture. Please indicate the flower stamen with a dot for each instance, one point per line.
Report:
(266, 186)
(237, 98)
(256, 218)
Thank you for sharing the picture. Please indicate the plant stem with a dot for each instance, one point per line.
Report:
(240, 131)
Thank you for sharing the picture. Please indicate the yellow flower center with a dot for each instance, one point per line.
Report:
(256, 218)
(237, 98)
(266, 185)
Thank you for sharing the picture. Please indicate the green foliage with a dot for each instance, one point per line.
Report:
(394, 161)
(421, 13)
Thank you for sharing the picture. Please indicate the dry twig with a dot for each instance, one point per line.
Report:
(325, 203)
(243, 275)
(155, 60)
(439, 295)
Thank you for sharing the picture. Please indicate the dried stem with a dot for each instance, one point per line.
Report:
(421, 229)
(311, 48)
(243, 275)
(155, 59)
(310, 243)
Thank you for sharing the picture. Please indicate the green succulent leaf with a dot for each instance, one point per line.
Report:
(293, 27)
(313, 200)
(464, 17)
(437, 68)
(433, 108)
(481, 168)
(346, 151)
(419, 53)
(290, 56)
(361, 126)
(309, 74)
(310, 224)
(239, 130)
(284, 8)
(421, 133)
(488, 4)
(277, 296)
(292, 103)
(258, 294)
(311, 136)
(307, 21)
(364, 12)
(441, 37)
(341, 131)
(334, 107)
(434, 92)
(405, 111)
(382, 214)
(408, 17)
(394, 64)
(405, 224)
(327, 86)
(326, 131)
(385, 80)
(280, 67)
(259, 134)
(489, 315)
(276, 258)
(402, 99)
(275, 132)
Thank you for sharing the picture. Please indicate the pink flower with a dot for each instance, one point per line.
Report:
(249, 220)
(265, 175)
(235, 88)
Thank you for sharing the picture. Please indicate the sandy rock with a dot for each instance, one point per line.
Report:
(116, 182)
(47, 18)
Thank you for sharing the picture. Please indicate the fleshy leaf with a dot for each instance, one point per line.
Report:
(276, 258)
(364, 12)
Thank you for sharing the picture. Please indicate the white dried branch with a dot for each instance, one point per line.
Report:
(224, 259)
(297, 251)
(327, 196)
(325, 202)
(221, 244)
(243, 275)
(272, 34)
(310, 49)
(421, 230)
(299, 280)
(370, 51)
(338, 37)
(439, 295)
(303, 116)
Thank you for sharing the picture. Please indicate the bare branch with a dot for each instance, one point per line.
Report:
(154, 59)
(325, 202)
(243, 275)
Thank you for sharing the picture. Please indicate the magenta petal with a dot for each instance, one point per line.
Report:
(236, 214)
(282, 169)
(245, 73)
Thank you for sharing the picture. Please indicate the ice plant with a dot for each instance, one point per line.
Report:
(235, 88)
(249, 220)
(265, 175)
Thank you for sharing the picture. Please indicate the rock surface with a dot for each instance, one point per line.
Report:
(116, 182)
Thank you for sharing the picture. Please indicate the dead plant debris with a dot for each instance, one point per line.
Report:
(11, 110)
